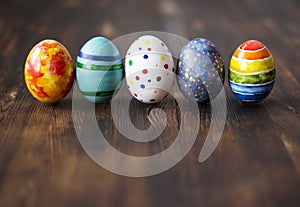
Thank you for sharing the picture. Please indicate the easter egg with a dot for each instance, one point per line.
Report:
(200, 70)
(149, 68)
(252, 72)
(99, 69)
(49, 71)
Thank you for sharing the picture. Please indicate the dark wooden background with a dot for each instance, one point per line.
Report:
(257, 162)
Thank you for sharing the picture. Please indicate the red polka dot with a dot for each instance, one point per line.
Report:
(149, 49)
(145, 71)
(137, 77)
(135, 94)
(166, 66)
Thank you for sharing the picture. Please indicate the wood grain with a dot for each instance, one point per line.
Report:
(257, 162)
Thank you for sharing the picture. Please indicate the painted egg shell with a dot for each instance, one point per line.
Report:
(99, 69)
(252, 72)
(149, 68)
(49, 71)
(200, 70)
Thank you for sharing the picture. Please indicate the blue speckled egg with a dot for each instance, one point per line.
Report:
(99, 69)
(201, 70)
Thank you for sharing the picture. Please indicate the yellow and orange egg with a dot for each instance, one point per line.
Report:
(49, 71)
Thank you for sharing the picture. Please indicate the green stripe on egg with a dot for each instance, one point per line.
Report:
(259, 78)
(98, 93)
(99, 67)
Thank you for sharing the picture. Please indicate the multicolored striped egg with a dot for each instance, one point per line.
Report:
(149, 68)
(252, 72)
(200, 70)
(99, 69)
(49, 71)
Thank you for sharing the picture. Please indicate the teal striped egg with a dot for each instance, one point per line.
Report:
(99, 69)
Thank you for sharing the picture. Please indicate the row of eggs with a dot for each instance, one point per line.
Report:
(149, 70)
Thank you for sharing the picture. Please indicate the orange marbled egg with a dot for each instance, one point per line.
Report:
(49, 71)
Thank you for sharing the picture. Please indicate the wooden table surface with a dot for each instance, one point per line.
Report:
(256, 163)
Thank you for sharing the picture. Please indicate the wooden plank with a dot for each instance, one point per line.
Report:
(256, 163)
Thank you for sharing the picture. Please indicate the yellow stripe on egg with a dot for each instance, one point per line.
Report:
(251, 66)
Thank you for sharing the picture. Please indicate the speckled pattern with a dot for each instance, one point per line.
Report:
(149, 69)
(200, 70)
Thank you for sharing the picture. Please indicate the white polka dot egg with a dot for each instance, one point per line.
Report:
(149, 68)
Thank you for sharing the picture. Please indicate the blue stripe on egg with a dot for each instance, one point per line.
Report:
(251, 88)
(251, 97)
(98, 58)
(96, 62)
(251, 92)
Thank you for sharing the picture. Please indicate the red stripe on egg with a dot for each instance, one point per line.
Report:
(252, 45)
(252, 50)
